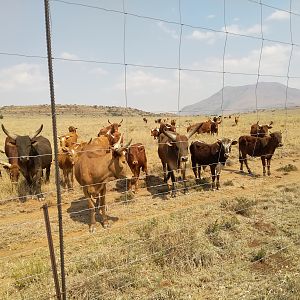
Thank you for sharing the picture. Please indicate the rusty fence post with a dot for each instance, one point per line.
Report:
(51, 251)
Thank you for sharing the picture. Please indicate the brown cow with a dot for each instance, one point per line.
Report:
(236, 120)
(113, 127)
(158, 120)
(214, 126)
(173, 153)
(260, 130)
(70, 138)
(92, 170)
(155, 132)
(173, 122)
(214, 155)
(145, 120)
(66, 160)
(203, 127)
(137, 160)
(12, 167)
(259, 146)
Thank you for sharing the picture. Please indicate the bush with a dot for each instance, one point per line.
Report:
(259, 255)
(243, 206)
(288, 168)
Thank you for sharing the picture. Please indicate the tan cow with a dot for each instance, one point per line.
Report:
(92, 170)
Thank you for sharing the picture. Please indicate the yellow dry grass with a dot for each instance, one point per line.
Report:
(196, 246)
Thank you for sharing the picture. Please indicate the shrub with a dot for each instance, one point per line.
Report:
(259, 255)
(288, 168)
(243, 206)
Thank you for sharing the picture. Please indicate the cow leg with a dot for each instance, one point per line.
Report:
(173, 183)
(241, 159)
(247, 166)
(183, 178)
(37, 182)
(213, 175)
(165, 172)
(194, 168)
(269, 165)
(69, 178)
(137, 179)
(72, 178)
(65, 176)
(199, 171)
(218, 171)
(263, 160)
(48, 173)
(103, 206)
(92, 209)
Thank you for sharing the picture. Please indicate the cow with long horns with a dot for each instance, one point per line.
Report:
(34, 155)
(173, 152)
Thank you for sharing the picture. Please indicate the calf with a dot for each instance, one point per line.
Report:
(260, 130)
(66, 160)
(12, 166)
(214, 155)
(259, 146)
(137, 160)
(145, 120)
(214, 126)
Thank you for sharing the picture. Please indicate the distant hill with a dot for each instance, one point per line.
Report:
(242, 99)
(73, 109)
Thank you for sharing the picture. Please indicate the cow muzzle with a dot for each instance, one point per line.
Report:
(135, 162)
(184, 158)
(24, 159)
(226, 155)
(280, 145)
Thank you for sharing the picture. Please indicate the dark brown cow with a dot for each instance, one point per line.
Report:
(92, 170)
(145, 120)
(155, 132)
(158, 120)
(173, 122)
(137, 160)
(214, 155)
(12, 166)
(259, 146)
(203, 127)
(214, 126)
(173, 153)
(260, 130)
(236, 119)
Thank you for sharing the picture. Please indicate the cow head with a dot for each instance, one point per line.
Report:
(24, 143)
(13, 171)
(155, 132)
(114, 126)
(119, 158)
(225, 147)
(133, 153)
(277, 136)
(71, 154)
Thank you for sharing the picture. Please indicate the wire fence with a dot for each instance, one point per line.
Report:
(150, 231)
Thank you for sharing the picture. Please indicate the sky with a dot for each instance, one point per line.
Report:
(91, 45)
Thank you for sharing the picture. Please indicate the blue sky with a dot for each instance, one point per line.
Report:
(85, 33)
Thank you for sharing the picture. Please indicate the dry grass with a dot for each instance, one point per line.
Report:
(239, 242)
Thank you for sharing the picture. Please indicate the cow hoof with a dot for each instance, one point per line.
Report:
(92, 229)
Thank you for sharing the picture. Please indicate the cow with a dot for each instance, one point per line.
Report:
(203, 127)
(173, 153)
(145, 120)
(155, 132)
(66, 160)
(214, 126)
(158, 120)
(12, 166)
(92, 170)
(214, 155)
(113, 127)
(260, 130)
(70, 138)
(173, 122)
(137, 160)
(259, 146)
(35, 154)
(236, 120)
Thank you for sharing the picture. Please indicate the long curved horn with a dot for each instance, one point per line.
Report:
(108, 121)
(117, 145)
(121, 122)
(124, 147)
(271, 123)
(37, 132)
(170, 135)
(5, 164)
(12, 136)
(194, 130)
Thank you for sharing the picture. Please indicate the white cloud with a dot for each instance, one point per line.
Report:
(208, 36)
(211, 16)
(98, 71)
(278, 15)
(23, 76)
(255, 29)
(141, 82)
(173, 33)
(67, 55)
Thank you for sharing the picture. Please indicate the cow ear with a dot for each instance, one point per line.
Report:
(12, 143)
(34, 143)
(234, 142)
(270, 126)
(169, 144)
(141, 148)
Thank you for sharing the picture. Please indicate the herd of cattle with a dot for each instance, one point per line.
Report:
(107, 156)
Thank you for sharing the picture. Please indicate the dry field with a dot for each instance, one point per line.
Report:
(241, 242)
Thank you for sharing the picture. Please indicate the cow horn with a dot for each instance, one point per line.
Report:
(12, 136)
(121, 148)
(170, 135)
(37, 132)
(121, 122)
(257, 122)
(271, 123)
(194, 130)
(117, 145)
(108, 121)
(5, 164)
